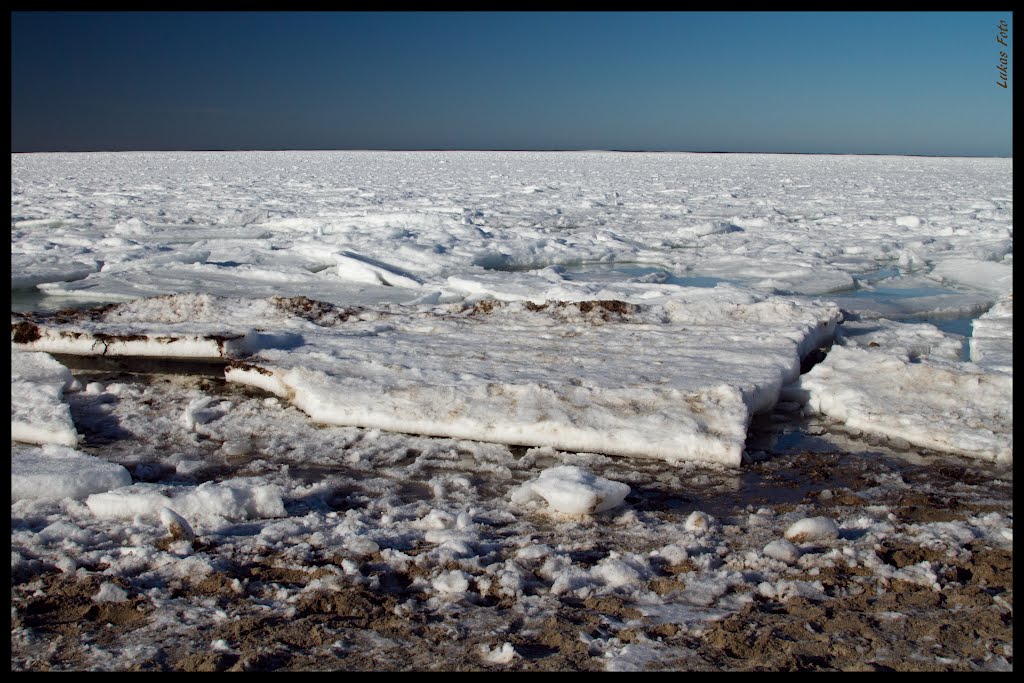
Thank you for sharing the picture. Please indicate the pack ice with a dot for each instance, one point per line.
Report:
(601, 337)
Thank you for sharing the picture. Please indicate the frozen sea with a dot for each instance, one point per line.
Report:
(465, 381)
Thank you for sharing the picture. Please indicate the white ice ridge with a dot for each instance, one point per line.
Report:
(39, 413)
(932, 403)
(676, 381)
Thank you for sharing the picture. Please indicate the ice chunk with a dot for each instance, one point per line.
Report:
(177, 526)
(698, 522)
(500, 654)
(452, 582)
(783, 551)
(572, 490)
(199, 412)
(207, 504)
(110, 592)
(809, 529)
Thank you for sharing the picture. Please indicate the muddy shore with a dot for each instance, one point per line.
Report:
(382, 620)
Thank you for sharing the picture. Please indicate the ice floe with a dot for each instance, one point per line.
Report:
(951, 407)
(54, 472)
(39, 413)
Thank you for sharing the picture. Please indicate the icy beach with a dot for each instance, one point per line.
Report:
(577, 410)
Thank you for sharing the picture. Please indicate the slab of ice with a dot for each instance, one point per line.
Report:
(234, 280)
(607, 377)
(353, 266)
(29, 269)
(39, 413)
(675, 381)
(207, 505)
(195, 326)
(950, 407)
(992, 341)
(984, 275)
(54, 472)
(908, 340)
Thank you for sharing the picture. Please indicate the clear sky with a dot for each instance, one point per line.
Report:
(873, 82)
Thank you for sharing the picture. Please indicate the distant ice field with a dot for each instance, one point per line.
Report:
(714, 253)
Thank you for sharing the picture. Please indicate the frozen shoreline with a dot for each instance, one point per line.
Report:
(469, 337)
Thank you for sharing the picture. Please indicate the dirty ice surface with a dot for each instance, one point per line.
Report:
(426, 353)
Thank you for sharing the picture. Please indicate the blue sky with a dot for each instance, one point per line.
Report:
(863, 83)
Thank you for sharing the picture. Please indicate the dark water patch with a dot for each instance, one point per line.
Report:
(623, 271)
(144, 365)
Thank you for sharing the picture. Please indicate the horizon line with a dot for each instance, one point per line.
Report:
(550, 149)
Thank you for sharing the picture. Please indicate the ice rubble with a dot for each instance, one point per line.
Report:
(372, 229)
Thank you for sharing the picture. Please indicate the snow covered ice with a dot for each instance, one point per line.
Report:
(573, 491)
(55, 472)
(469, 379)
(38, 412)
